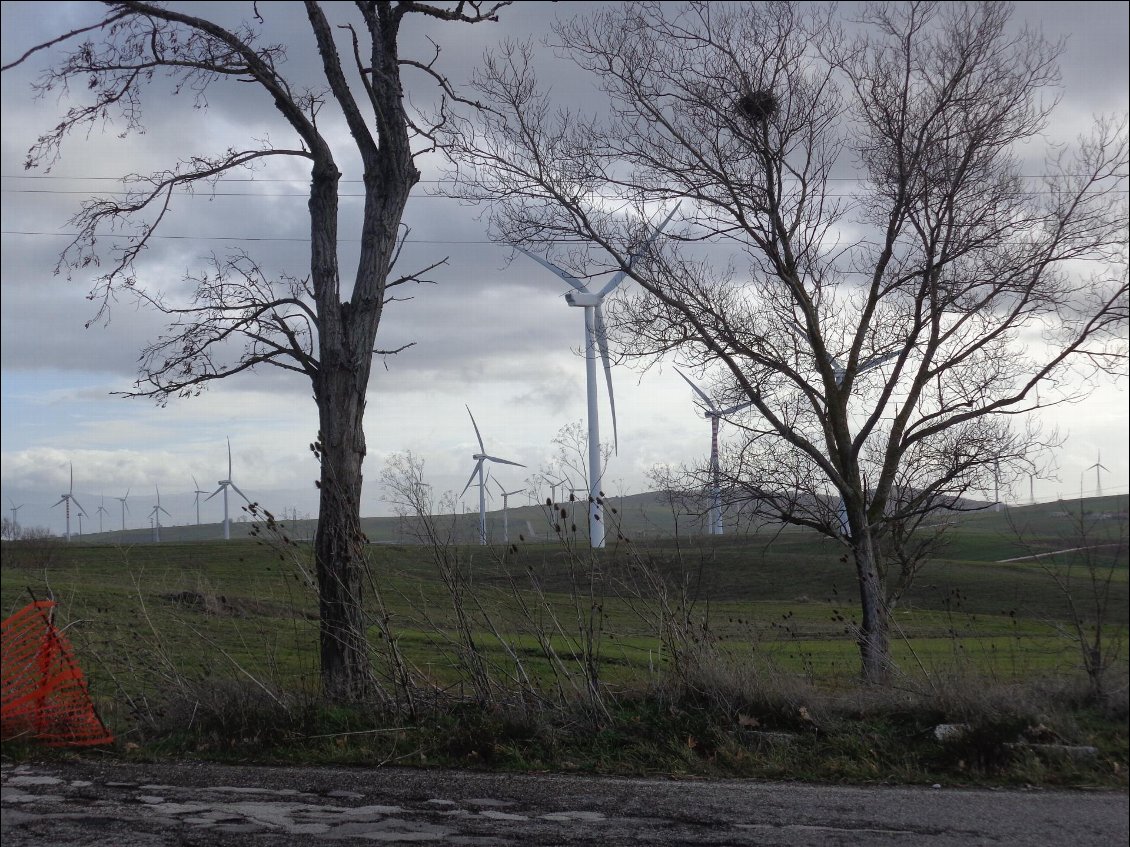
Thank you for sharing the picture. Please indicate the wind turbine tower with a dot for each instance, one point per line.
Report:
(125, 508)
(66, 499)
(715, 415)
(15, 517)
(480, 458)
(1098, 467)
(155, 515)
(198, 492)
(100, 511)
(596, 338)
(505, 507)
(225, 484)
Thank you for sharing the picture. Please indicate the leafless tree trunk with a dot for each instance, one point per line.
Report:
(239, 318)
(887, 334)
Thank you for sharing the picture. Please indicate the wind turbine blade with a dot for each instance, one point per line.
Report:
(875, 361)
(602, 343)
(77, 503)
(474, 473)
(737, 408)
(240, 493)
(502, 461)
(229, 458)
(163, 509)
(706, 399)
(196, 485)
(478, 435)
(213, 494)
(639, 252)
(127, 494)
(573, 281)
(500, 488)
(63, 499)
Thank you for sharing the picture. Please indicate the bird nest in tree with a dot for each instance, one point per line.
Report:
(758, 105)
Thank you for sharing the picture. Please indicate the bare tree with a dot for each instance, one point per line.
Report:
(239, 318)
(863, 255)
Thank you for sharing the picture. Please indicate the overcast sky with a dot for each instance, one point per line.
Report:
(494, 335)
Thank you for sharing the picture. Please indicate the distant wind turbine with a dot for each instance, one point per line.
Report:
(198, 492)
(838, 374)
(155, 515)
(100, 511)
(1098, 467)
(505, 507)
(553, 482)
(596, 338)
(224, 485)
(838, 370)
(480, 458)
(125, 508)
(67, 499)
(715, 416)
(15, 521)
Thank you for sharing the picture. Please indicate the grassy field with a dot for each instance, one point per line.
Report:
(745, 620)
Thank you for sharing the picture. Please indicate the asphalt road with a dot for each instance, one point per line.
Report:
(68, 804)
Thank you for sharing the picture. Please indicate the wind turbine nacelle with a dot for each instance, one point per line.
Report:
(582, 298)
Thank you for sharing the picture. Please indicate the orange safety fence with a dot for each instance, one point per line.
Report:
(44, 694)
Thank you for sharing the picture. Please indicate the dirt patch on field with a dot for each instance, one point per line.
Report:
(233, 607)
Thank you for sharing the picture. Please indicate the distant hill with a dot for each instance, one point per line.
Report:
(651, 515)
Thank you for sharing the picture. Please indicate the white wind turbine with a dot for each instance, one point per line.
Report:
(100, 511)
(156, 516)
(1098, 467)
(480, 458)
(553, 482)
(67, 499)
(125, 508)
(224, 485)
(505, 507)
(15, 520)
(715, 415)
(198, 492)
(596, 338)
(838, 373)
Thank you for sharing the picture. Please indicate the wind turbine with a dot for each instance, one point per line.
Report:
(838, 373)
(596, 338)
(100, 511)
(480, 458)
(553, 482)
(505, 510)
(224, 485)
(156, 516)
(1097, 467)
(198, 492)
(67, 498)
(715, 415)
(15, 521)
(125, 508)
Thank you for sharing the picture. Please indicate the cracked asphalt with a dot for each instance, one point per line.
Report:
(88, 802)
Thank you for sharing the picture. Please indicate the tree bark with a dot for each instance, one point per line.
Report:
(339, 544)
(874, 631)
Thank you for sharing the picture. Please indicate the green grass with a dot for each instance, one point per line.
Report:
(208, 635)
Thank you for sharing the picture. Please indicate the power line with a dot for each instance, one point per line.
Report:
(306, 240)
(248, 238)
(206, 194)
(433, 181)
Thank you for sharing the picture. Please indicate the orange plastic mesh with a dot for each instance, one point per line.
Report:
(44, 694)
